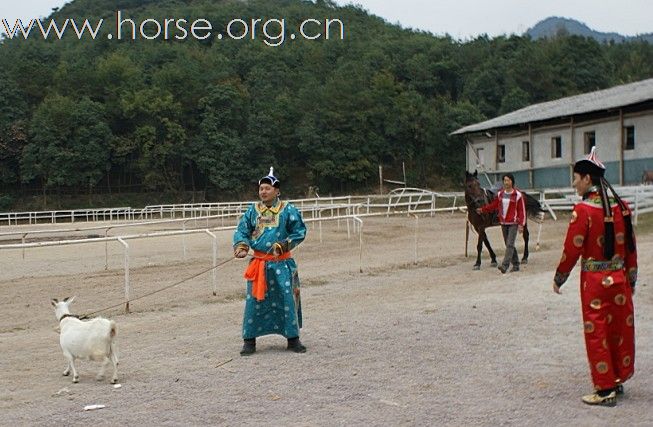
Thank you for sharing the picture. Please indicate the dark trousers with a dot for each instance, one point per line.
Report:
(509, 235)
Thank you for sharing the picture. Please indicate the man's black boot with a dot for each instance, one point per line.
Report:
(249, 347)
(295, 345)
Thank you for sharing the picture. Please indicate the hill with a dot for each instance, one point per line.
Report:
(211, 114)
(556, 26)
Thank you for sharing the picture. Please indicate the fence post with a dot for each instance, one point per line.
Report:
(360, 243)
(106, 249)
(214, 273)
(637, 204)
(126, 246)
(183, 239)
(416, 234)
(319, 215)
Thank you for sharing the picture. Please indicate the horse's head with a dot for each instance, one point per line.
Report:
(475, 196)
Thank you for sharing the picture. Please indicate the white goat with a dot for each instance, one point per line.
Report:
(92, 339)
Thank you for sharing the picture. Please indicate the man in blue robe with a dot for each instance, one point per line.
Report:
(271, 228)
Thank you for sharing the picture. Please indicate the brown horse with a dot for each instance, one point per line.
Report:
(647, 177)
(475, 197)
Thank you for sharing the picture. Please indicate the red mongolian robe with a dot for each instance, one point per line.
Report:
(605, 291)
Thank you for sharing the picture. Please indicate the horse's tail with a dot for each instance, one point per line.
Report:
(534, 208)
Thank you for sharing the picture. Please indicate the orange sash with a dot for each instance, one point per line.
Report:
(256, 272)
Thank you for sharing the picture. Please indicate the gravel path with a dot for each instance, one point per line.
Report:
(432, 343)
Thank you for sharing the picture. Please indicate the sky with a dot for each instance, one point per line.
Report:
(462, 19)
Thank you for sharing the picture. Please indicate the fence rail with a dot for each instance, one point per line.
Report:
(640, 198)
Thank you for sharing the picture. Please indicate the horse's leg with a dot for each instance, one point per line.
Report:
(524, 260)
(479, 248)
(493, 256)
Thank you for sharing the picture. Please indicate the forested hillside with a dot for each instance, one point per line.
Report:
(169, 116)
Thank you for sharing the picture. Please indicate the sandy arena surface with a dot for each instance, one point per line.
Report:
(432, 343)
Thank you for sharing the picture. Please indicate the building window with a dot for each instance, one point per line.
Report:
(590, 141)
(525, 151)
(629, 137)
(501, 153)
(480, 156)
(556, 147)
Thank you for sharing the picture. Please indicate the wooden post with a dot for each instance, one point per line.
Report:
(531, 178)
(380, 179)
(622, 143)
(572, 149)
(466, 234)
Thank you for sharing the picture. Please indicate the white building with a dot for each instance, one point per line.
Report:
(540, 143)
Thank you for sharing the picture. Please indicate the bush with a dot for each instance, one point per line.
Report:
(6, 202)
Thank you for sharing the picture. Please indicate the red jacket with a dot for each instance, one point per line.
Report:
(516, 213)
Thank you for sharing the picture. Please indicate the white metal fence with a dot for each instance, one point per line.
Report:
(639, 197)
(402, 199)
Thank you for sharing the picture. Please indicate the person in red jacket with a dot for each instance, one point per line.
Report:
(512, 217)
(601, 233)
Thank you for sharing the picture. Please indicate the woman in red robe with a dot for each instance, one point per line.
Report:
(601, 233)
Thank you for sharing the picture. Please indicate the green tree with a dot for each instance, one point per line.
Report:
(69, 143)
(219, 150)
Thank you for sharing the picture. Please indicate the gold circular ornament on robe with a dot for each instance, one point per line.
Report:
(620, 299)
(563, 258)
(595, 304)
(605, 343)
(619, 238)
(607, 281)
(578, 240)
(602, 367)
(589, 327)
(627, 360)
(630, 320)
(600, 240)
(574, 217)
(609, 319)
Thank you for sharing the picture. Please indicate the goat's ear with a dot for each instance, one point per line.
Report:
(66, 299)
(475, 173)
(54, 302)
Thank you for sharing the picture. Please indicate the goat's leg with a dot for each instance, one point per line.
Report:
(103, 368)
(114, 378)
(66, 371)
(114, 359)
(71, 364)
(526, 237)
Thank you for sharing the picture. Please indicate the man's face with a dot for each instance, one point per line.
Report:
(507, 183)
(267, 193)
(581, 183)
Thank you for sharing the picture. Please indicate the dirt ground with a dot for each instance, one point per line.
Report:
(432, 343)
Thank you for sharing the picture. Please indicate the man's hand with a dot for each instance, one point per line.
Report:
(556, 288)
(520, 229)
(240, 253)
(277, 249)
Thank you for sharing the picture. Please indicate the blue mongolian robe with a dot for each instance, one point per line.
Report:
(260, 228)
